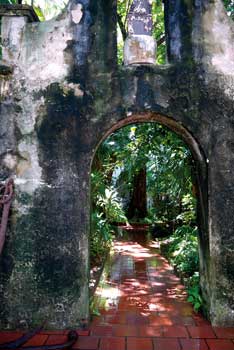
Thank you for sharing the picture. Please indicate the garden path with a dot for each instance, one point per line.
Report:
(142, 306)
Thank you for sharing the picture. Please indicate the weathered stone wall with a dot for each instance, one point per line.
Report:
(65, 94)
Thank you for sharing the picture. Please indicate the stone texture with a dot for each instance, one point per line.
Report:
(66, 94)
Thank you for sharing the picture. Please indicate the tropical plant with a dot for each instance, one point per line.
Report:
(182, 251)
(111, 206)
(100, 238)
(143, 150)
(194, 292)
(45, 9)
(168, 164)
(106, 210)
(229, 5)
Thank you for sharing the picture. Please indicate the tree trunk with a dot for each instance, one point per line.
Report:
(138, 204)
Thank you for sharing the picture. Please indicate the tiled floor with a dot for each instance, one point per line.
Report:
(142, 306)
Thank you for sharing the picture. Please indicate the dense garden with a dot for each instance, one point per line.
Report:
(144, 173)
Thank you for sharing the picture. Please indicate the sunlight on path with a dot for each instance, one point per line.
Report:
(142, 289)
(142, 306)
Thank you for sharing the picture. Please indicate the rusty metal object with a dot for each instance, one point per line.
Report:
(6, 196)
(16, 344)
(72, 337)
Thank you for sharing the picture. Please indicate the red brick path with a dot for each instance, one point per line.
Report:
(142, 307)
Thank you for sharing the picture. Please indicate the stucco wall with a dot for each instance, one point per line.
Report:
(65, 94)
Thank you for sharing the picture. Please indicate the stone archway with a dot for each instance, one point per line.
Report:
(60, 108)
(201, 179)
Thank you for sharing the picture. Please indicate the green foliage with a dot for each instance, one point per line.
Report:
(159, 29)
(194, 292)
(100, 238)
(229, 5)
(110, 205)
(105, 198)
(187, 215)
(168, 162)
(195, 297)
(183, 251)
(11, 2)
(120, 49)
(169, 189)
(106, 209)
(39, 13)
(46, 9)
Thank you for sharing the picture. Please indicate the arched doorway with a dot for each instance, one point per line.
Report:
(199, 175)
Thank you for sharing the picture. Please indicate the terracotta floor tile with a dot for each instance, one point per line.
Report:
(101, 331)
(127, 307)
(227, 333)
(116, 319)
(56, 339)
(201, 332)
(153, 301)
(193, 344)
(166, 344)
(139, 344)
(160, 321)
(152, 311)
(109, 311)
(97, 320)
(112, 344)
(220, 344)
(136, 319)
(6, 337)
(185, 310)
(82, 333)
(200, 320)
(188, 321)
(175, 332)
(39, 339)
(86, 343)
(125, 331)
(148, 331)
(61, 332)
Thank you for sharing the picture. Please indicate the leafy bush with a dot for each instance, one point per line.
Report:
(110, 205)
(100, 238)
(187, 216)
(183, 250)
(183, 254)
(194, 291)
(106, 209)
